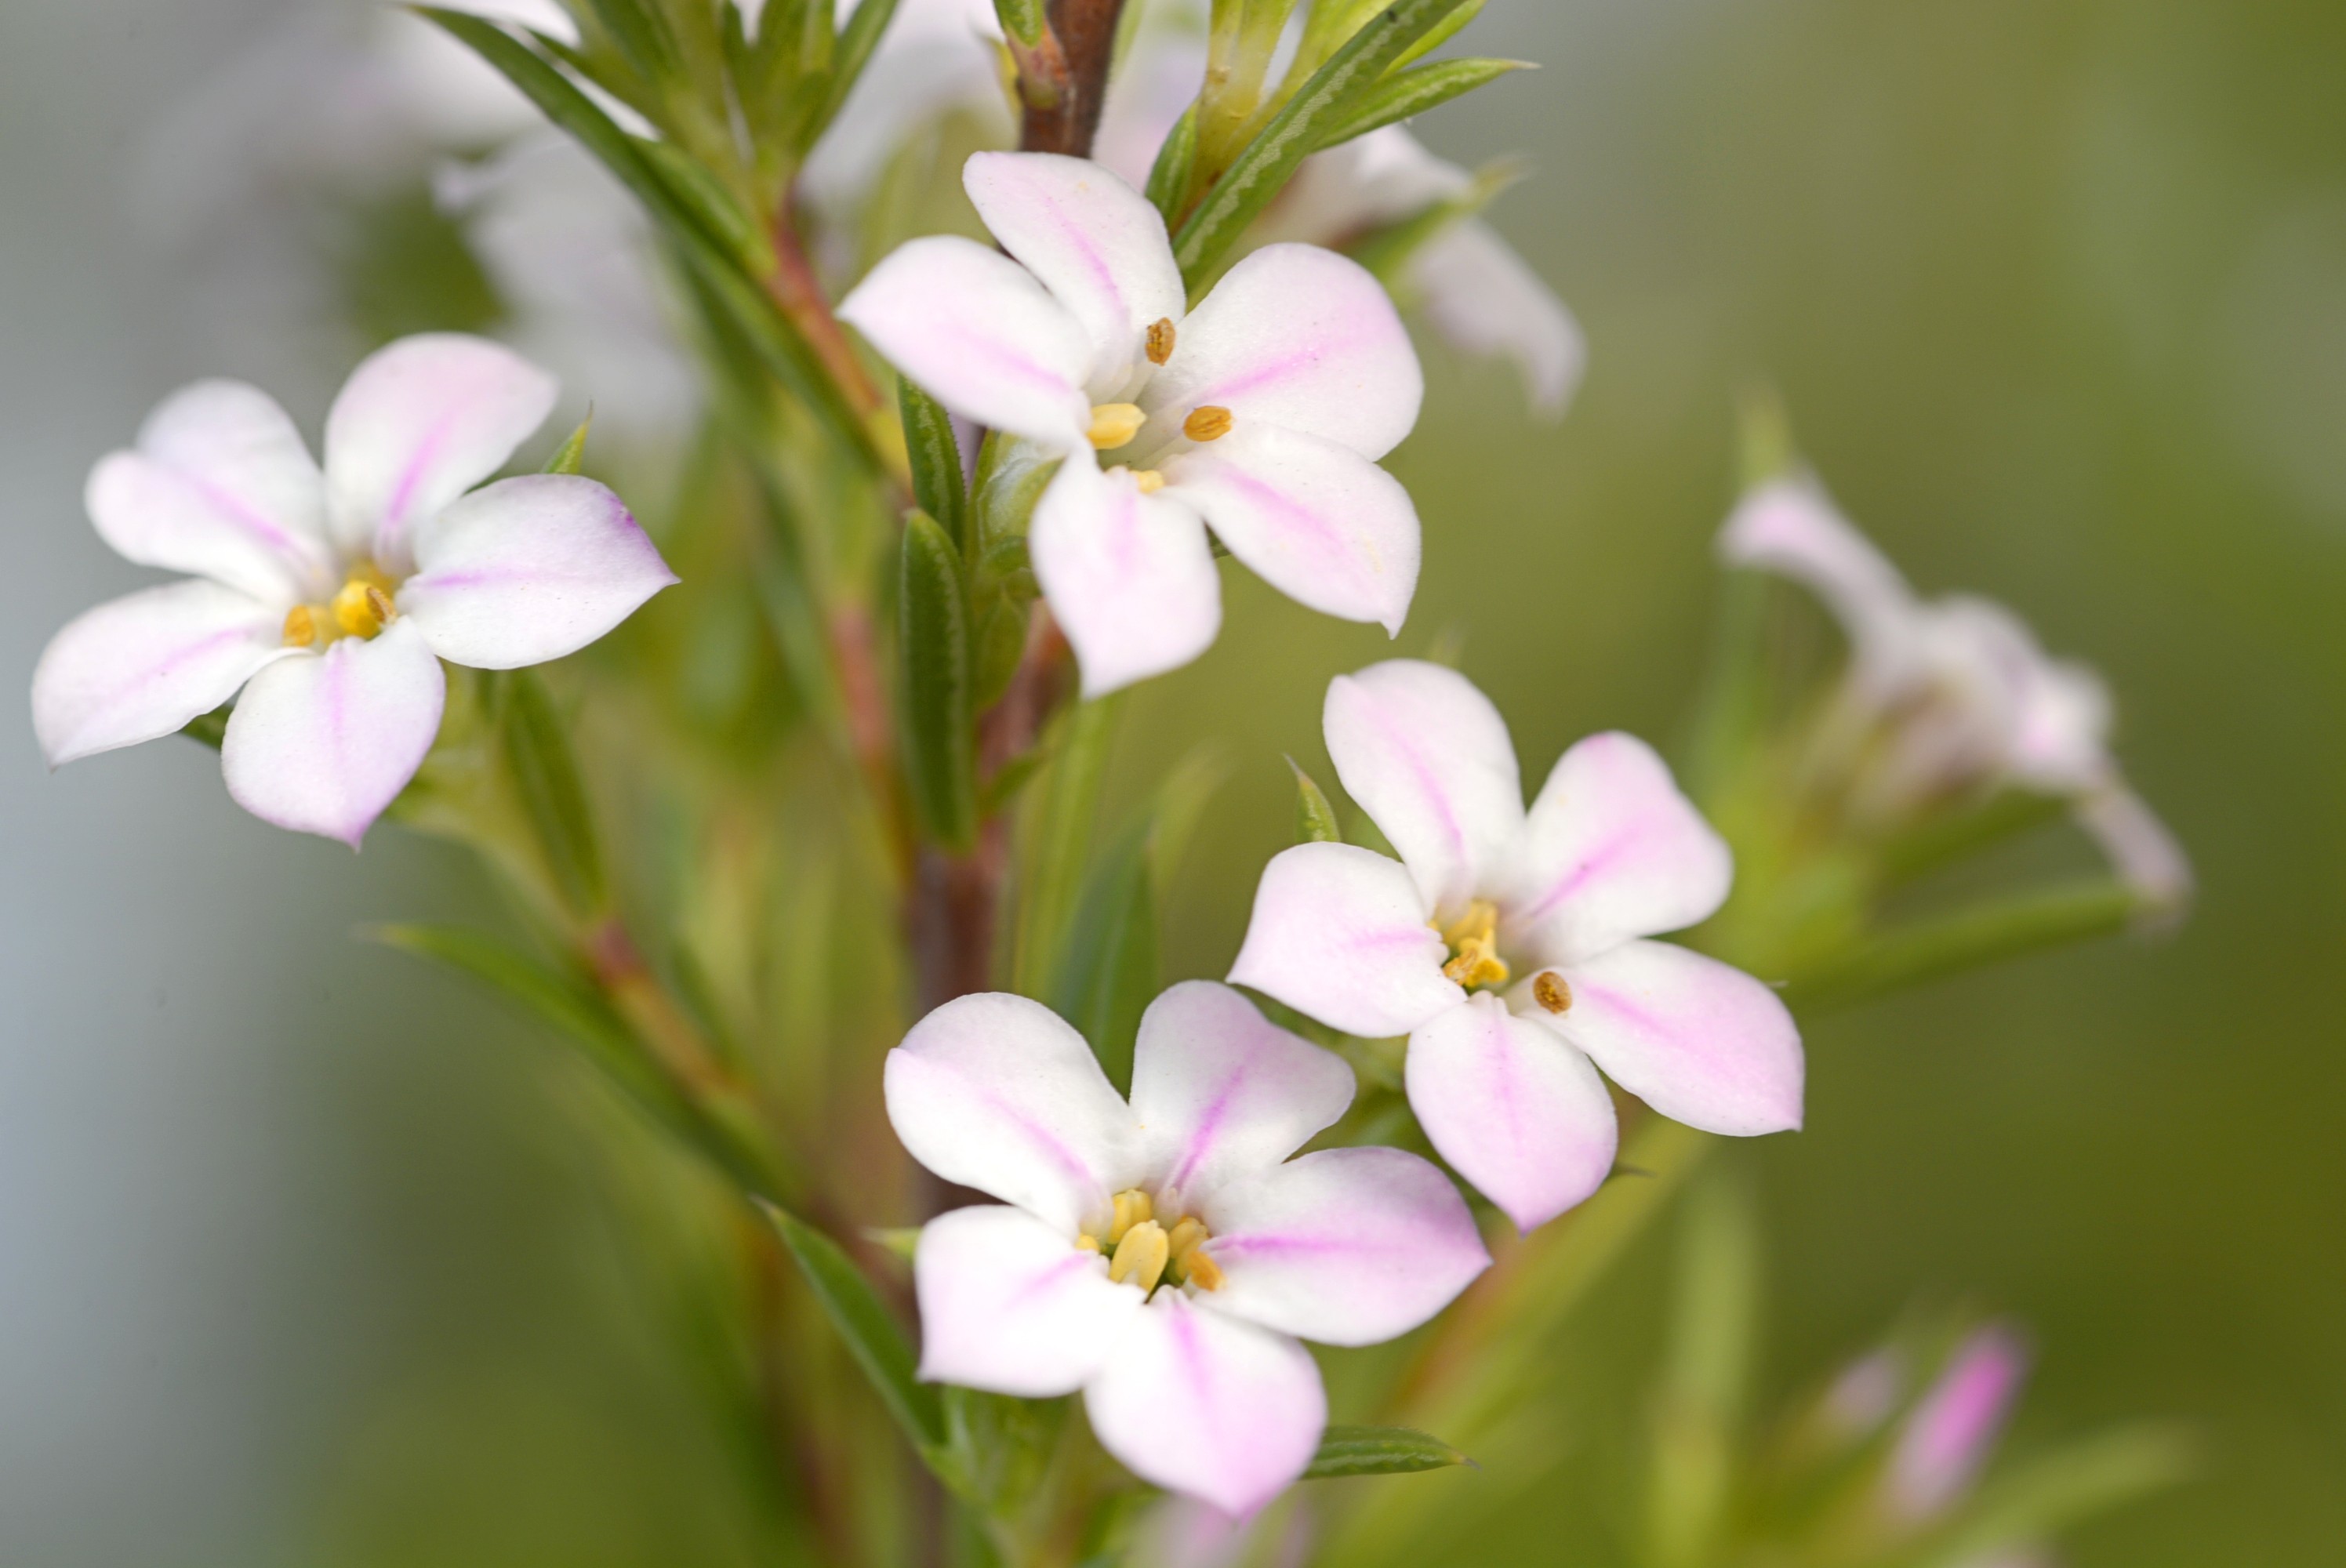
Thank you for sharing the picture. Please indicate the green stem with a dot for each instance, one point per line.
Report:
(1967, 939)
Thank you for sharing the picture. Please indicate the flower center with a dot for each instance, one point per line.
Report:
(1474, 943)
(1114, 424)
(1160, 340)
(361, 607)
(1142, 1252)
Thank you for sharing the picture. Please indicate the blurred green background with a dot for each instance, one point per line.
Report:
(304, 1257)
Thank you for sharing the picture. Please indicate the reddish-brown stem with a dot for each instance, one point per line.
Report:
(623, 977)
(1063, 78)
(797, 289)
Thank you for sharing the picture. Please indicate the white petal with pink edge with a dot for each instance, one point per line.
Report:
(1339, 932)
(1347, 1247)
(1516, 1111)
(1000, 1094)
(1484, 299)
(1095, 242)
(1611, 850)
(141, 666)
(323, 743)
(529, 569)
(977, 333)
(1201, 1404)
(1315, 519)
(1698, 1039)
(1429, 759)
(1130, 576)
(420, 422)
(1010, 1305)
(1300, 337)
(220, 486)
(1790, 527)
(1221, 1092)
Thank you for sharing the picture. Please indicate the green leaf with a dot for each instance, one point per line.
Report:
(1397, 98)
(852, 52)
(1331, 97)
(545, 772)
(933, 650)
(938, 488)
(2027, 1504)
(642, 34)
(1011, 476)
(1059, 832)
(1379, 1450)
(571, 456)
(1107, 975)
(1699, 1406)
(1001, 647)
(1969, 939)
(873, 1337)
(1022, 19)
(1168, 177)
(1315, 819)
(1444, 31)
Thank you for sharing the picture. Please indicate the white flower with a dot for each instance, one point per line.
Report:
(1263, 412)
(1163, 1256)
(329, 597)
(1510, 946)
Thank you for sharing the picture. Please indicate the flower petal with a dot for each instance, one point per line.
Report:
(529, 569)
(2142, 850)
(1429, 759)
(979, 333)
(1201, 1404)
(1348, 1247)
(142, 666)
(1222, 1091)
(1097, 244)
(1130, 576)
(1339, 932)
(1611, 850)
(1699, 1041)
(419, 422)
(1790, 527)
(1954, 1428)
(998, 1093)
(1008, 1305)
(1295, 336)
(1315, 520)
(221, 486)
(323, 743)
(1516, 1111)
(1485, 300)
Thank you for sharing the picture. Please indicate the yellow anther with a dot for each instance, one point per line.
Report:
(362, 604)
(1160, 340)
(1474, 943)
(1141, 1255)
(1132, 1207)
(1207, 423)
(1088, 1243)
(1202, 1272)
(1114, 424)
(1550, 992)
(1185, 1237)
(1149, 480)
(301, 627)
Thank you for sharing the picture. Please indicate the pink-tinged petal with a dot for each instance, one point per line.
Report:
(1097, 244)
(999, 1093)
(529, 569)
(1300, 337)
(1611, 850)
(1347, 1247)
(2145, 855)
(1130, 576)
(419, 422)
(1009, 1305)
(142, 666)
(1699, 1041)
(1429, 759)
(220, 486)
(979, 333)
(1222, 1092)
(322, 744)
(1485, 300)
(1790, 527)
(1203, 1404)
(1317, 521)
(1340, 932)
(1516, 1111)
(1948, 1438)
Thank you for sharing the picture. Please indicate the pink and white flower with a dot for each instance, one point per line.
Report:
(1510, 946)
(328, 598)
(1952, 1430)
(1955, 695)
(1163, 1256)
(1263, 412)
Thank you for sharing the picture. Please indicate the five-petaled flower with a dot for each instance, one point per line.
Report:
(329, 597)
(1163, 1256)
(1262, 413)
(1510, 946)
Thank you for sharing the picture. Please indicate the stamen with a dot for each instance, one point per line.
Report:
(1550, 992)
(1189, 1264)
(1160, 340)
(1202, 1271)
(1087, 1242)
(301, 627)
(1149, 480)
(1473, 944)
(1141, 1255)
(363, 603)
(1132, 1207)
(1207, 423)
(1114, 424)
